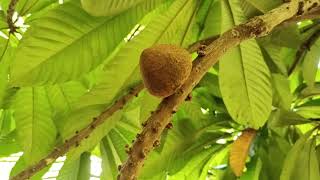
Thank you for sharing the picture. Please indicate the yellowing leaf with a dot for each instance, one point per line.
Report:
(239, 151)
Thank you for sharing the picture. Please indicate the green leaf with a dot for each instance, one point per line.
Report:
(254, 168)
(62, 97)
(7, 51)
(168, 28)
(283, 118)
(77, 169)
(82, 40)
(288, 36)
(211, 81)
(312, 112)
(271, 148)
(277, 56)
(211, 20)
(35, 129)
(31, 6)
(3, 20)
(187, 148)
(265, 5)
(107, 7)
(310, 63)
(112, 146)
(244, 77)
(282, 94)
(296, 162)
(7, 123)
(10, 144)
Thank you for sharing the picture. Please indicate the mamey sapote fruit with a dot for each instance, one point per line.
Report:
(164, 68)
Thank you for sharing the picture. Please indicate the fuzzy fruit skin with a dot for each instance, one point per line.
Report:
(164, 68)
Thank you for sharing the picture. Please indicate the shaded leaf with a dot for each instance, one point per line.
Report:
(292, 164)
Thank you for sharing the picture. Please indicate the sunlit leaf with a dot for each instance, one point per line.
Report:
(36, 131)
(244, 76)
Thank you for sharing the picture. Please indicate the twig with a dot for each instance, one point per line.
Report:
(82, 134)
(10, 13)
(157, 122)
(304, 47)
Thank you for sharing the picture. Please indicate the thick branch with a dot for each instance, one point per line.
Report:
(10, 12)
(82, 134)
(157, 122)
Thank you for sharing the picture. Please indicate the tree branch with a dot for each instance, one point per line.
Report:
(10, 13)
(82, 134)
(157, 122)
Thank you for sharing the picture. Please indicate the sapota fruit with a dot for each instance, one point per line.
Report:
(164, 68)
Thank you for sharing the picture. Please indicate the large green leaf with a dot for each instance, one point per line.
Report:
(60, 46)
(76, 170)
(244, 76)
(36, 131)
(107, 7)
(310, 63)
(169, 27)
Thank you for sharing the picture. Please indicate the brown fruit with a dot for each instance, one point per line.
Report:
(164, 68)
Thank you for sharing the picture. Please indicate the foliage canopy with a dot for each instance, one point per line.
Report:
(70, 61)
